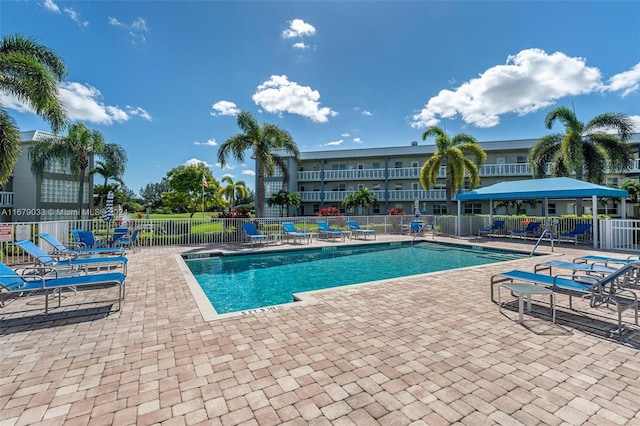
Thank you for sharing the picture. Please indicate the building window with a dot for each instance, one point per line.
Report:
(375, 166)
(415, 186)
(376, 208)
(415, 164)
(340, 187)
(520, 159)
(316, 208)
(375, 187)
(398, 164)
(338, 167)
(398, 187)
(472, 208)
(439, 209)
(360, 166)
(301, 188)
(551, 208)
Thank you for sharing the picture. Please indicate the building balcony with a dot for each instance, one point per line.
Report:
(6, 199)
(394, 195)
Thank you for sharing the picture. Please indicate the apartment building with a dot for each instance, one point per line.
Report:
(54, 196)
(324, 178)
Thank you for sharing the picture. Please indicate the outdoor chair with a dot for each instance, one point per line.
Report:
(71, 260)
(290, 231)
(356, 230)
(327, 232)
(581, 230)
(599, 290)
(496, 228)
(252, 233)
(605, 260)
(61, 249)
(530, 229)
(13, 284)
(128, 240)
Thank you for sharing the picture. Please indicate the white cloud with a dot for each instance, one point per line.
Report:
(529, 81)
(135, 29)
(300, 45)
(249, 172)
(345, 134)
(210, 142)
(628, 81)
(298, 28)
(278, 95)
(139, 111)
(636, 122)
(195, 162)
(224, 108)
(75, 17)
(367, 113)
(334, 143)
(357, 140)
(51, 6)
(227, 167)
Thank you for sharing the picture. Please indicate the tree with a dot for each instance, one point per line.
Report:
(362, 198)
(517, 204)
(151, 194)
(452, 152)
(584, 149)
(233, 190)
(284, 199)
(262, 141)
(74, 151)
(186, 190)
(113, 167)
(30, 72)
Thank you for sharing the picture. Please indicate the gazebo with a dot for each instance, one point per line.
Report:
(561, 188)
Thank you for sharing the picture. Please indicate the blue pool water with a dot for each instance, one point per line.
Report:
(243, 282)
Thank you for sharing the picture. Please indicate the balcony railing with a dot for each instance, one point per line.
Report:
(394, 195)
(6, 199)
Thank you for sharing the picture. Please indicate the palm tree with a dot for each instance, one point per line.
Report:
(362, 198)
(30, 72)
(74, 151)
(284, 199)
(452, 152)
(584, 149)
(233, 190)
(263, 141)
(113, 167)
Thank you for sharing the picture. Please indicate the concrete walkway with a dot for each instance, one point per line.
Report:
(423, 350)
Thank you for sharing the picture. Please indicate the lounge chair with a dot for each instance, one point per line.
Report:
(44, 259)
(581, 230)
(356, 230)
(60, 248)
(605, 260)
(14, 284)
(119, 233)
(531, 229)
(589, 268)
(326, 231)
(605, 290)
(290, 231)
(128, 240)
(496, 228)
(86, 239)
(251, 232)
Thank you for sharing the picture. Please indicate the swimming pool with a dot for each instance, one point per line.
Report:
(240, 282)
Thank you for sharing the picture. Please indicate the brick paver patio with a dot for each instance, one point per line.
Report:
(430, 349)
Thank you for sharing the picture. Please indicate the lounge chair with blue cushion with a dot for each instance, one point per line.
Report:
(605, 260)
(44, 259)
(251, 232)
(604, 290)
(356, 230)
(581, 230)
(589, 268)
(496, 228)
(290, 231)
(531, 229)
(60, 248)
(326, 231)
(119, 233)
(13, 284)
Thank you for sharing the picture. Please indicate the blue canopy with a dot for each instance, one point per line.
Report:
(535, 189)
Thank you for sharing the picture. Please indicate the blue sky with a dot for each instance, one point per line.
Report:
(164, 79)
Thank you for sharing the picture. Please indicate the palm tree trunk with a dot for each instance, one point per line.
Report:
(449, 195)
(579, 203)
(260, 193)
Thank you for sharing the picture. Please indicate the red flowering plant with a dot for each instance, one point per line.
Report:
(396, 211)
(329, 211)
(233, 213)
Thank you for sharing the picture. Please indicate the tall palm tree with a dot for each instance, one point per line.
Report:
(112, 167)
(233, 190)
(263, 141)
(584, 149)
(30, 72)
(74, 151)
(453, 153)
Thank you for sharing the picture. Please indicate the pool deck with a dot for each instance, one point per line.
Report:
(423, 350)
